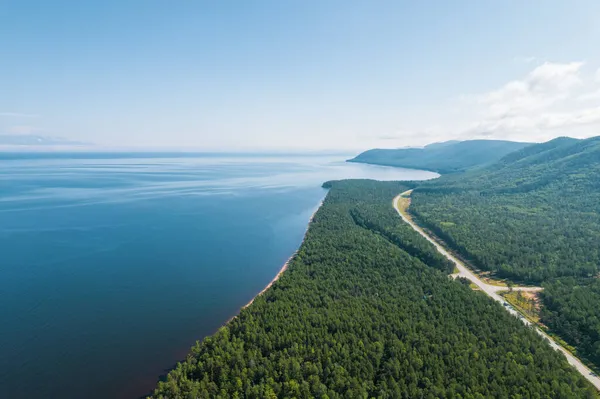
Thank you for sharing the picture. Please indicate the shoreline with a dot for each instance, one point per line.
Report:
(283, 268)
(269, 285)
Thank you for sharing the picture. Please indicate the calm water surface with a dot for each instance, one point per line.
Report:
(112, 267)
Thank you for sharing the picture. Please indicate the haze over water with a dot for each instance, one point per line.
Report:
(113, 266)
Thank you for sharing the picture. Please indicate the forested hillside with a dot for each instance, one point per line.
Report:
(358, 314)
(533, 217)
(447, 157)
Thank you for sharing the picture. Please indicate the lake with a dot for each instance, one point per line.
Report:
(113, 265)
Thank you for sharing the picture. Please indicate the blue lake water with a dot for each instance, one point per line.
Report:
(112, 266)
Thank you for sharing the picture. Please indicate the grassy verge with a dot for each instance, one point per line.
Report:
(403, 202)
(491, 281)
(525, 303)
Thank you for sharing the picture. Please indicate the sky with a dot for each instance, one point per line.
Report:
(298, 74)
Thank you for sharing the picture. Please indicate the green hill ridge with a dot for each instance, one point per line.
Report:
(446, 157)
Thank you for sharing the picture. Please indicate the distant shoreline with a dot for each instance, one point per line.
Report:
(283, 268)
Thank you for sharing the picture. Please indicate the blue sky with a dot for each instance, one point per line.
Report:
(243, 75)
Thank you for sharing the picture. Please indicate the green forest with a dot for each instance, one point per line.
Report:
(366, 310)
(533, 217)
(571, 310)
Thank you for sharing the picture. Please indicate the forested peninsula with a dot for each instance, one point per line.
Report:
(366, 310)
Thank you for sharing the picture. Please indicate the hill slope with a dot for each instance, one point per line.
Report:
(513, 217)
(534, 216)
(447, 157)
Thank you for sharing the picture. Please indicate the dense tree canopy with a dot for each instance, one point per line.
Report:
(572, 309)
(366, 310)
(533, 217)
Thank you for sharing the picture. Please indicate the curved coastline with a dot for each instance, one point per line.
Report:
(283, 268)
(269, 285)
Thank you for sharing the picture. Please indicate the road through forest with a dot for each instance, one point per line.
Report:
(492, 291)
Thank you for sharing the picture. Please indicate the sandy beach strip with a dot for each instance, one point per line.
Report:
(283, 268)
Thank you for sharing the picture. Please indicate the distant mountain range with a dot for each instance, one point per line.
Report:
(445, 157)
(564, 160)
(34, 140)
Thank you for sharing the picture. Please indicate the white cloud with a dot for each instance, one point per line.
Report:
(537, 107)
(586, 116)
(552, 99)
(594, 95)
(542, 87)
(18, 115)
(552, 75)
